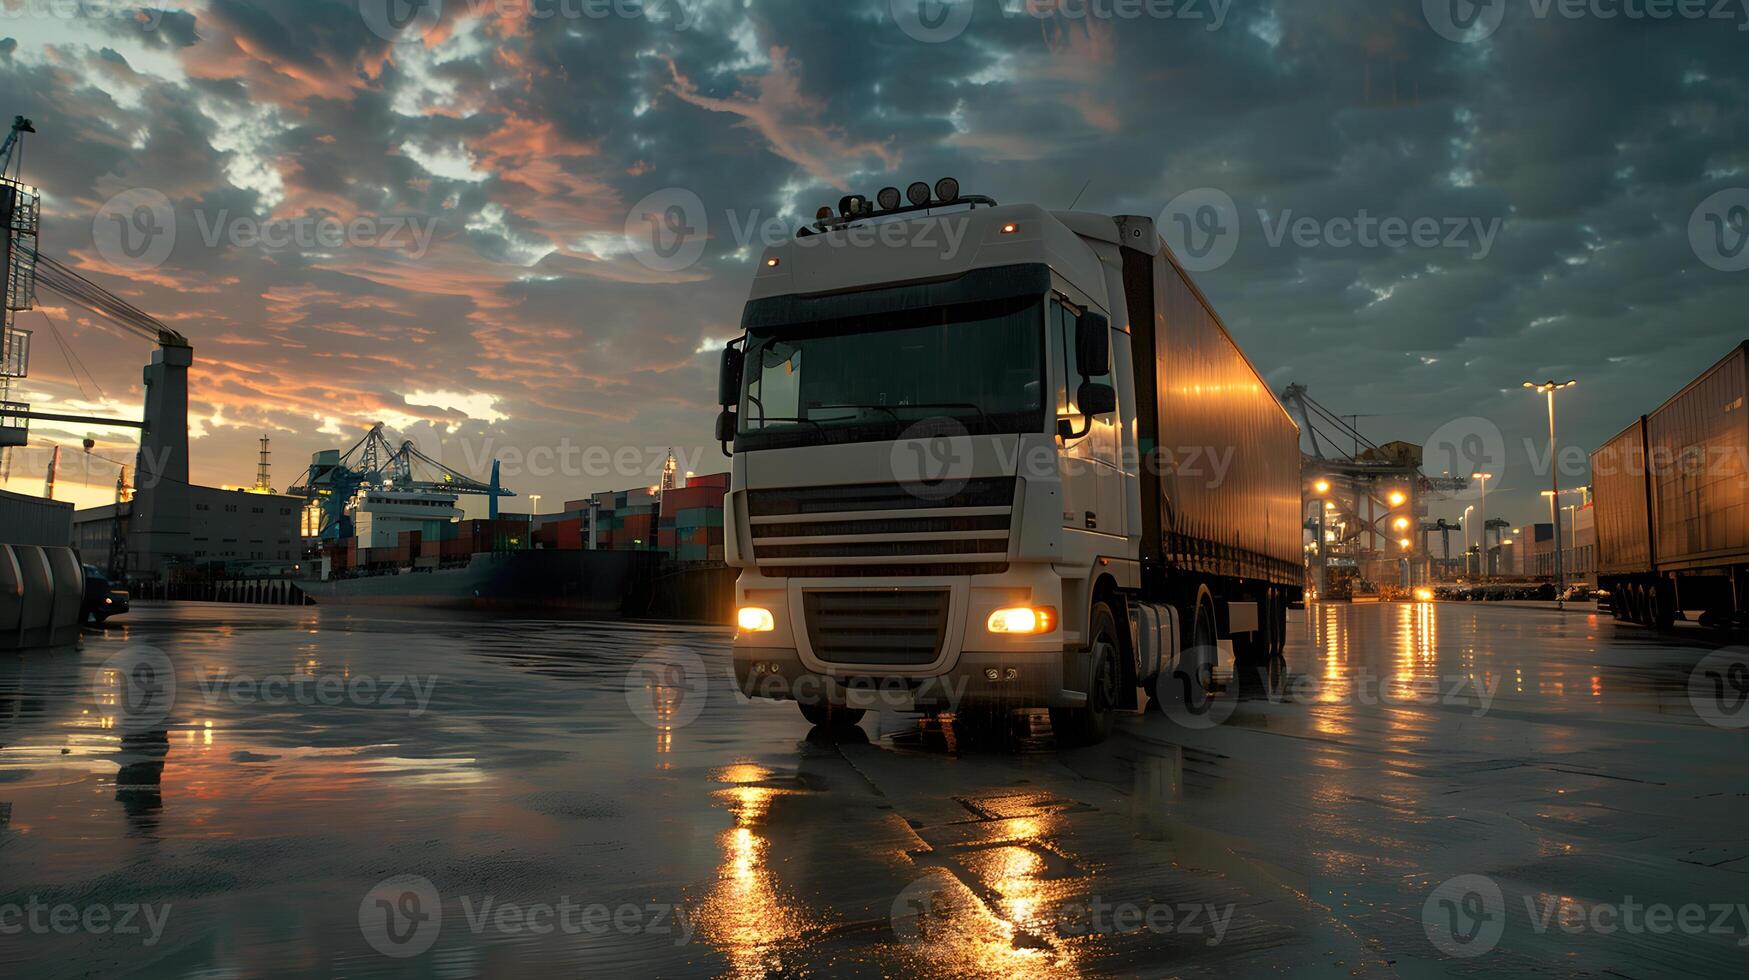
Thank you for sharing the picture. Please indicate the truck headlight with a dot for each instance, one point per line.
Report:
(1023, 620)
(755, 619)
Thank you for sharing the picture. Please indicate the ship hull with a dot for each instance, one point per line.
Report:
(591, 583)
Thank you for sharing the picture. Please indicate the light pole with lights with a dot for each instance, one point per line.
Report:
(1483, 479)
(1549, 388)
(1466, 523)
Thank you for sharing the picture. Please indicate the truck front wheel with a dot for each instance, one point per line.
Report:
(1093, 724)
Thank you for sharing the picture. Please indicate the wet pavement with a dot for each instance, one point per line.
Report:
(1427, 790)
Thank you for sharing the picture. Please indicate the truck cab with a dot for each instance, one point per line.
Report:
(937, 497)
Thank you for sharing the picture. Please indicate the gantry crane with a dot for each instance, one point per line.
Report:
(375, 461)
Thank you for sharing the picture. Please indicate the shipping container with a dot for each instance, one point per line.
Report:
(691, 497)
(1699, 439)
(1208, 402)
(1693, 484)
(1623, 504)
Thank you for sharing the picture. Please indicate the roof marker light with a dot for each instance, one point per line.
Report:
(947, 190)
(918, 194)
(888, 198)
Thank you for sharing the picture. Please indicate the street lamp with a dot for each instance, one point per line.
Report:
(1466, 523)
(533, 509)
(1549, 388)
(1483, 479)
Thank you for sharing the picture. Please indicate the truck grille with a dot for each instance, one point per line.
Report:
(882, 529)
(888, 628)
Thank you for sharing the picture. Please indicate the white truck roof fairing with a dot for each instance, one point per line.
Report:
(936, 246)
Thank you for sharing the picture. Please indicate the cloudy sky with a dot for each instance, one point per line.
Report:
(438, 216)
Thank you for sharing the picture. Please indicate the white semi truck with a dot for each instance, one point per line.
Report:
(994, 457)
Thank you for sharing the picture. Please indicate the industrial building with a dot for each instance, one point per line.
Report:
(227, 526)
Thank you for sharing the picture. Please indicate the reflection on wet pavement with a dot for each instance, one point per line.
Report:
(529, 772)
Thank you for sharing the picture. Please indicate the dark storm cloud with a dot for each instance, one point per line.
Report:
(1574, 152)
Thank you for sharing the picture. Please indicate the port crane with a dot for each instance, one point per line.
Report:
(1371, 499)
(375, 461)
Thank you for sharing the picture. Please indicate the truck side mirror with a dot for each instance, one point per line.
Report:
(1093, 344)
(729, 377)
(726, 430)
(1096, 398)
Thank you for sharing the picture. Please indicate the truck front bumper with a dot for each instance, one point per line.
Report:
(974, 667)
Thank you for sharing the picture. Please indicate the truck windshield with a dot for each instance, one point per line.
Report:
(870, 378)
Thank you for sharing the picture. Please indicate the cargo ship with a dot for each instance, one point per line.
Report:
(588, 583)
(613, 555)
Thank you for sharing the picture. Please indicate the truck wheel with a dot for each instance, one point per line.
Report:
(831, 716)
(1192, 679)
(1093, 724)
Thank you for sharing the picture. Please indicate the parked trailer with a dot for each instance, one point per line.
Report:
(1672, 495)
(1033, 471)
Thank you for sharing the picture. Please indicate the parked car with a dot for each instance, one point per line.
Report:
(102, 599)
(1578, 593)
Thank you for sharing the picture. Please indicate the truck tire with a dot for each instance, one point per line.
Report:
(1191, 680)
(831, 716)
(1093, 723)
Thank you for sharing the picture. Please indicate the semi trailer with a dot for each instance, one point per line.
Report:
(1672, 504)
(1027, 470)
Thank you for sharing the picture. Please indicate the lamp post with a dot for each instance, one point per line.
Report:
(533, 509)
(1483, 479)
(1466, 523)
(1549, 388)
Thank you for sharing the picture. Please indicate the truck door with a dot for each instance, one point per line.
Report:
(1091, 472)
